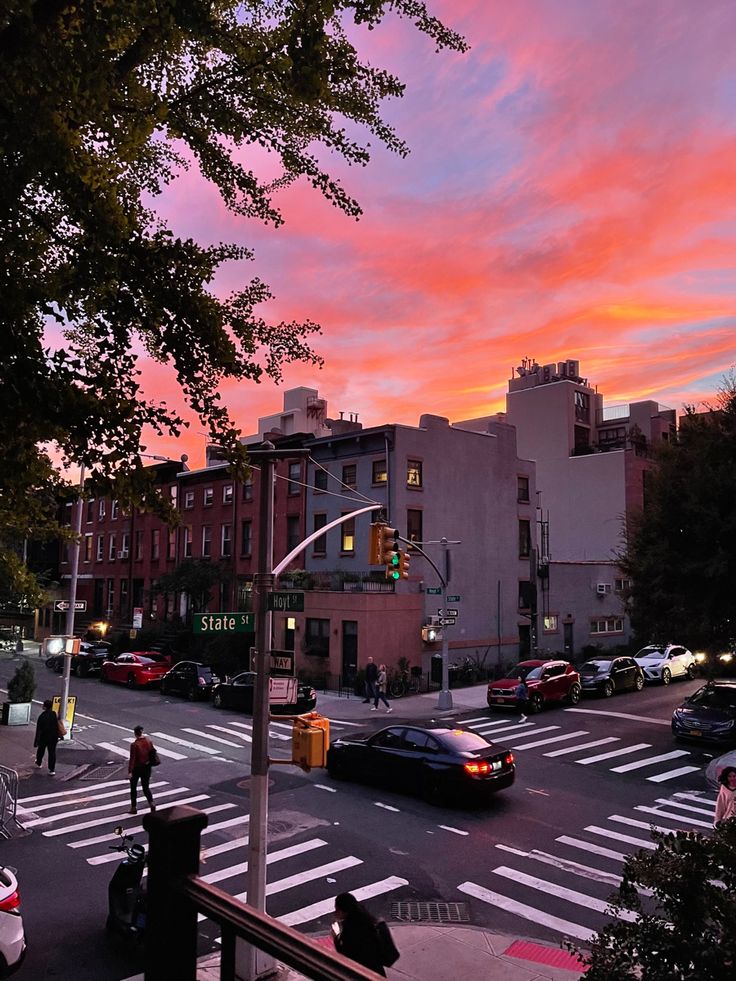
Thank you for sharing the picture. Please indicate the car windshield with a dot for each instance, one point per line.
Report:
(523, 671)
(459, 741)
(653, 652)
(595, 667)
(721, 698)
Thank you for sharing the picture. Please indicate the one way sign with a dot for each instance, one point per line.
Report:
(61, 606)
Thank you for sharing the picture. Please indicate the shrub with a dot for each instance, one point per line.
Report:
(23, 683)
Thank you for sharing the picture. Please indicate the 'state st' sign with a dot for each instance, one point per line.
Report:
(223, 623)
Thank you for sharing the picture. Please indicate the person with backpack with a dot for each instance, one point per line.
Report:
(48, 732)
(142, 757)
(361, 937)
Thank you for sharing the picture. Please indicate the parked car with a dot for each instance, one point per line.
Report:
(89, 660)
(708, 715)
(12, 934)
(723, 663)
(608, 675)
(190, 679)
(663, 662)
(547, 681)
(435, 762)
(237, 693)
(137, 669)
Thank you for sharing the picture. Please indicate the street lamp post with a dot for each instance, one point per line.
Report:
(72, 594)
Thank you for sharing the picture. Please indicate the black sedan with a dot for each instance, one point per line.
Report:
(88, 660)
(191, 679)
(606, 676)
(708, 715)
(437, 763)
(237, 693)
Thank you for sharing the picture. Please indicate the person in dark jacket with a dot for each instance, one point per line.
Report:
(47, 736)
(139, 768)
(357, 938)
(371, 680)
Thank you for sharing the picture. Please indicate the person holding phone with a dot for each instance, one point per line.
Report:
(355, 933)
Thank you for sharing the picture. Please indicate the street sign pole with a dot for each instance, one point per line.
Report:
(72, 593)
(444, 702)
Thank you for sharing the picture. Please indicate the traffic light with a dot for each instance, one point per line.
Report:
(374, 545)
(382, 544)
(404, 562)
(391, 553)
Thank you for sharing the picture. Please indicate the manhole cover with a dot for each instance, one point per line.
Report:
(431, 912)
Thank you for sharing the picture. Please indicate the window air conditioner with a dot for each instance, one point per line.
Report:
(602, 588)
(123, 553)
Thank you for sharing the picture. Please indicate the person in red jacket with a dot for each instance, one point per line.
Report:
(139, 768)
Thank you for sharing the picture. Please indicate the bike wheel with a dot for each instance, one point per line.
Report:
(397, 689)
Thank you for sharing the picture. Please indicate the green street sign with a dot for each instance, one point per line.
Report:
(434, 590)
(453, 599)
(286, 602)
(224, 623)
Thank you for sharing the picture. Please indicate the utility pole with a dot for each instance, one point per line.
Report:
(444, 700)
(75, 546)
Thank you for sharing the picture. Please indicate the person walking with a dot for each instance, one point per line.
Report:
(726, 800)
(371, 679)
(357, 933)
(521, 694)
(47, 736)
(139, 768)
(381, 686)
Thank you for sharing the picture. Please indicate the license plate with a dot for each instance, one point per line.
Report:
(695, 732)
(496, 765)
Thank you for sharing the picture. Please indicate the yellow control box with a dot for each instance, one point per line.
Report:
(310, 740)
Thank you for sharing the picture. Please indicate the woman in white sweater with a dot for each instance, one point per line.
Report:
(726, 802)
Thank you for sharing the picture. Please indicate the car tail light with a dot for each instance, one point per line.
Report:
(508, 759)
(478, 769)
(11, 903)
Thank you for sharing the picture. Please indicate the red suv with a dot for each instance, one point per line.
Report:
(547, 681)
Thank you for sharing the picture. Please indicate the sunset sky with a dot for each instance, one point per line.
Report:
(570, 193)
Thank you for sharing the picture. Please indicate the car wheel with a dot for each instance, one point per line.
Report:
(535, 704)
(217, 700)
(639, 683)
(130, 680)
(608, 689)
(192, 693)
(666, 676)
(573, 696)
(691, 671)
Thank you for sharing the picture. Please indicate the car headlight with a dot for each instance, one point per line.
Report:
(726, 658)
(701, 656)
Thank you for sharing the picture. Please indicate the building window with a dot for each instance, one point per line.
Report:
(550, 624)
(380, 473)
(90, 512)
(293, 532)
(125, 546)
(123, 594)
(155, 544)
(414, 530)
(414, 473)
(246, 538)
(187, 543)
(209, 496)
(101, 509)
(319, 545)
(174, 494)
(525, 538)
(114, 510)
(320, 479)
(110, 597)
(295, 476)
(582, 406)
(171, 544)
(347, 539)
(248, 489)
(88, 548)
(139, 545)
(526, 594)
(609, 625)
(111, 549)
(522, 489)
(226, 540)
(317, 638)
(206, 541)
(227, 494)
(100, 548)
(350, 475)
(188, 500)
(622, 585)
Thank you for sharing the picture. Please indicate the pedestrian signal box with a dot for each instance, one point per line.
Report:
(310, 740)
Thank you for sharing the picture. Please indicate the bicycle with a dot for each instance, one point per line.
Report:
(405, 684)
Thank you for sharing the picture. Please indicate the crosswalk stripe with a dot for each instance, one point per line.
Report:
(84, 797)
(281, 885)
(112, 748)
(187, 743)
(278, 856)
(681, 795)
(71, 828)
(536, 916)
(633, 823)
(549, 888)
(215, 739)
(489, 723)
(552, 739)
(316, 910)
(69, 793)
(516, 727)
(616, 752)
(685, 807)
(241, 735)
(535, 732)
(638, 764)
(588, 846)
(271, 733)
(480, 718)
(626, 839)
(575, 749)
(137, 829)
(674, 817)
(115, 805)
(567, 865)
(671, 774)
(226, 846)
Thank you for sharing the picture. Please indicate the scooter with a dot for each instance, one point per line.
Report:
(126, 896)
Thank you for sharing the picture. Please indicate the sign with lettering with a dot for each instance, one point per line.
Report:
(286, 602)
(224, 623)
(282, 691)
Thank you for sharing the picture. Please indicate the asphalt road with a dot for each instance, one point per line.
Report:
(540, 861)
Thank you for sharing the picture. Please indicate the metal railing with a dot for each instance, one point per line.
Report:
(176, 895)
(8, 801)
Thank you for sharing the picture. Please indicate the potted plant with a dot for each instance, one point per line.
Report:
(17, 709)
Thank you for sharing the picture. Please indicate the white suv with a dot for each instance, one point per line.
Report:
(663, 662)
(12, 935)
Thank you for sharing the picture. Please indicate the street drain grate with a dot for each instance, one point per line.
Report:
(431, 912)
(91, 771)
